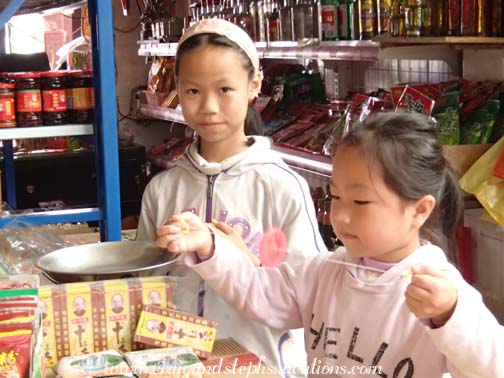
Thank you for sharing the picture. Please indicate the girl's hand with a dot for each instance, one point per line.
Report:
(186, 232)
(431, 295)
(224, 229)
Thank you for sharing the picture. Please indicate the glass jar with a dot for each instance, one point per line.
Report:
(7, 103)
(54, 101)
(80, 97)
(28, 99)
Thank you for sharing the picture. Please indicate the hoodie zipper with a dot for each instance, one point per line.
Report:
(209, 202)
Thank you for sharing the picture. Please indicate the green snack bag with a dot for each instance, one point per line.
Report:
(446, 113)
(479, 126)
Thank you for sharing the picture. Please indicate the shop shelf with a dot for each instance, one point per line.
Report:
(104, 130)
(45, 131)
(384, 41)
(311, 162)
(52, 217)
(342, 50)
(156, 48)
(166, 114)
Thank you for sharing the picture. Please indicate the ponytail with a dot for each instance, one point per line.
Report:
(450, 205)
(253, 122)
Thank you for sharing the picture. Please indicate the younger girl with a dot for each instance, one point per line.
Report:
(388, 303)
(227, 176)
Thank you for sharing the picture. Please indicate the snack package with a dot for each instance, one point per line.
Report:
(446, 114)
(412, 100)
(15, 350)
(178, 362)
(479, 126)
(164, 327)
(102, 364)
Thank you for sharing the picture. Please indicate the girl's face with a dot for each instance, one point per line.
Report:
(214, 91)
(369, 218)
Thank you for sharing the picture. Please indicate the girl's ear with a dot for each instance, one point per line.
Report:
(254, 87)
(423, 209)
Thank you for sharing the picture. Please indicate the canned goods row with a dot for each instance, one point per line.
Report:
(46, 98)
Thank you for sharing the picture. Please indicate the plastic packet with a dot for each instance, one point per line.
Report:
(479, 126)
(446, 113)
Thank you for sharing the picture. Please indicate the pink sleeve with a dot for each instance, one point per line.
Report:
(268, 295)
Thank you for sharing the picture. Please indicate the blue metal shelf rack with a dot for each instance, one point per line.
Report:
(104, 132)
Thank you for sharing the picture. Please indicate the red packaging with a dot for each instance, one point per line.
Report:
(396, 93)
(413, 101)
(15, 350)
(428, 90)
(499, 167)
(290, 131)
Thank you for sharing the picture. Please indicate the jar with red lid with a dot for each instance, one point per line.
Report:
(28, 99)
(80, 97)
(7, 102)
(54, 98)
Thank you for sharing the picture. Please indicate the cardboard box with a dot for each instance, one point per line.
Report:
(461, 157)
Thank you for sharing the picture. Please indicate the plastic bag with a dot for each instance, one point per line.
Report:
(488, 189)
(21, 245)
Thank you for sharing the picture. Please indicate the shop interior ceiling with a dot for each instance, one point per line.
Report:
(31, 6)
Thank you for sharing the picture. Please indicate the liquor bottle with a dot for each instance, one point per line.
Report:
(367, 19)
(309, 20)
(497, 18)
(384, 8)
(303, 20)
(469, 22)
(355, 30)
(484, 26)
(426, 17)
(395, 19)
(273, 24)
(287, 21)
(454, 17)
(245, 20)
(330, 23)
(413, 18)
(439, 19)
(344, 19)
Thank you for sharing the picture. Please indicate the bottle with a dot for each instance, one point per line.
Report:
(497, 18)
(309, 20)
(426, 17)
(384, 8)
(484, 24)
(245, 20)
(413, 18)
(367, 19)
(273, 23)
(355, 29)
(344, 20)
(454, 17)
(303, 20)
(286, 14)
(395, 19)
(330, 22)
(469, 22)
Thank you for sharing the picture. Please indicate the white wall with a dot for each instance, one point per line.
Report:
(132, 72)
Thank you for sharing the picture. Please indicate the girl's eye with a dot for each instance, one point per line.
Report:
(336, 198)
(361, 203)
(225, 89)
(192, 91)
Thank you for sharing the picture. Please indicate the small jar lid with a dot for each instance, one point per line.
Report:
(54, 73)
(26, 75)
(80, 73)
(6, 86)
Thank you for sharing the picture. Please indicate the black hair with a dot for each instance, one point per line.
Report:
(411, 156)
(253, 122)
